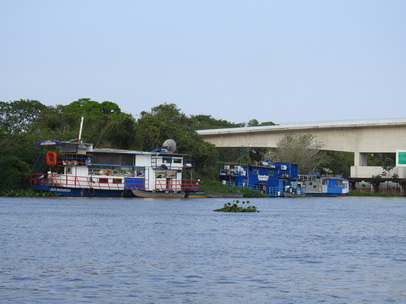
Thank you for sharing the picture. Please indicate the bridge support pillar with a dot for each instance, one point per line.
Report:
(360, 159)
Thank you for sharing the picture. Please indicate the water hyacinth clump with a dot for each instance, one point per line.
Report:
(235, 207)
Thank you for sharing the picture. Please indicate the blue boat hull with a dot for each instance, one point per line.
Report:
(83, 192)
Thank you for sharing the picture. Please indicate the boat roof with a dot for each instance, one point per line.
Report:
(122, 151)
(90, 148)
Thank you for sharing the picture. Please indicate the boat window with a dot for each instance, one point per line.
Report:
(177, 160)
(271, 173)
(167, 160)
(117, 180)
(103, 180)
(106, 158)
(256, 172)
(127, 159)
(140, 172)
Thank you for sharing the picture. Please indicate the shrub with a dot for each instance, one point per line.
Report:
(234, 207)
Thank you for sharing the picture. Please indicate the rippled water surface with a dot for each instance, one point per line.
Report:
(301, 250)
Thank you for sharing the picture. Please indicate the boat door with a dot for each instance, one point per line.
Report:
(169, 185)
(282, 185)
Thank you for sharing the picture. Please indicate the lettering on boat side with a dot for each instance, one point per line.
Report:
(60, 190)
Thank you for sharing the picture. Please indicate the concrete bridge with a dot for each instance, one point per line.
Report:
(358, 137)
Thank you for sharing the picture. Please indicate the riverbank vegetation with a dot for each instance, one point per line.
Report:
(369, 193)
(218, 187)
(24, 122)
(25, 192)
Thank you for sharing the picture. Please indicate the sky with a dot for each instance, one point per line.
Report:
(282, 61)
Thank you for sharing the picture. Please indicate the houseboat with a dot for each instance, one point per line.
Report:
(273, 179)
(315, 184)
(79, 169)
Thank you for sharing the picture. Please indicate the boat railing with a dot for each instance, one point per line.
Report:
(111, 182)
(271, 191)
(274, 191)
(90, 182)
(175, 185)
(190, 185)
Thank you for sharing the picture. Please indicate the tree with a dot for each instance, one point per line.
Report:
(167, 122)
(303, 150)
(13, 173)
(339, 162)
(256, 123)
(202, 122)
(104, 124)
(17, 116)
(118, 132)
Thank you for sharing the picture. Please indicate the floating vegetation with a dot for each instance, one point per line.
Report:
(235, 207)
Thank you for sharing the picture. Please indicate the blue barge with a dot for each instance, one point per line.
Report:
(273, 179)
(282, 179)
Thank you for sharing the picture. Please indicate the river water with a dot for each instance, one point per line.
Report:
(299, 250)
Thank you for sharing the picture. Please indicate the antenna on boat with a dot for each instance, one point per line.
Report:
(80, 129)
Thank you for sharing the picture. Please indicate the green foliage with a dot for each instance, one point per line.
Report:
(166, 121)
(26, 192)
(118, 132)
(381, 159)
(339, 162)
(85, 106)
(242, 155)
(218, 187)
(202, 122)
(18, 145)
(235, 207)
(104, 124)
(17, 116)
(13, 173)
(256, 123)
(303, 150)
(56, 123)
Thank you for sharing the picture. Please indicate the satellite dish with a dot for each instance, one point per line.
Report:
(170, 144)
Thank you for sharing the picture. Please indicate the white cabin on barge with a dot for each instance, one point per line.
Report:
(79, 169)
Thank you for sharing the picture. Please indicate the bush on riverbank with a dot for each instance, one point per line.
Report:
(25, 192)
(218, 187)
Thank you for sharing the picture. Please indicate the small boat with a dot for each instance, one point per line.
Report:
(158, 194)
(316, 184)
(196, 195)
